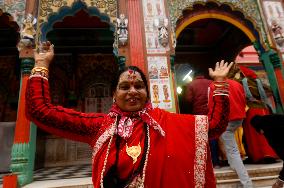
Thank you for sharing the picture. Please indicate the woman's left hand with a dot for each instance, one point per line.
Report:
(221, 70)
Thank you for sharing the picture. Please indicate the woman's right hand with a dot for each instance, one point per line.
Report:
(44, 57)
(221, 70)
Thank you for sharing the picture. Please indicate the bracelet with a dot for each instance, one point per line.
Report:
(223, 94)
(40, 71)
(221, 91)
(221, 88)
(38, 76)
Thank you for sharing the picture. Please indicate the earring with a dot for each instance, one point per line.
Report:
(113, 100)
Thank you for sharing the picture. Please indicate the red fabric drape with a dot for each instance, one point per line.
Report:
(254, 139)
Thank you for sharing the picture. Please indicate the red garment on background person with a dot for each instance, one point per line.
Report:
(237, 101)
(258, 148)
(196, 95)
(178, 159)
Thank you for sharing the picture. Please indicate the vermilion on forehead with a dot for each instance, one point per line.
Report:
(130, 76)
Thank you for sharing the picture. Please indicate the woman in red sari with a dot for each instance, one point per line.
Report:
(135, 145)
(258, 149)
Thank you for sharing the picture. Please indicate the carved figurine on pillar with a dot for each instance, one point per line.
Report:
(162, 26)
(122, 32)
(28, 32)
(277, 32)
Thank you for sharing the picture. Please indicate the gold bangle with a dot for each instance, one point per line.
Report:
(39, 73)
(40, 68)
(43, 71)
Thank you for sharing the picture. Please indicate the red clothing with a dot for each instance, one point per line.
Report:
(179, 159)
(237, 100)
(258, 147)
(196, 95)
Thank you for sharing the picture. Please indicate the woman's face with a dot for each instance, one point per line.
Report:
(130, 94)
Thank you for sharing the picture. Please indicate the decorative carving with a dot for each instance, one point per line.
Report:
(28, 32)
(26, 65)
(162, 26)
(248, 7)
(278, 33)
(50, 7)
(275, 60)
(20, 160)
(15, 8)
(122, 31)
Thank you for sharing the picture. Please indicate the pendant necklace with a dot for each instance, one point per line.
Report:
(133, 152)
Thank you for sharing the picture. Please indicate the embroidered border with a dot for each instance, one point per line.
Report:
(201, 140)
(102, 139)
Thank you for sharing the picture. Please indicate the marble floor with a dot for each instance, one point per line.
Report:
(82, 174)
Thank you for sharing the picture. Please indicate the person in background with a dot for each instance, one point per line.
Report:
(196, 94)
(237, 114)
(272, 127)
(196, 100)
(258, 149)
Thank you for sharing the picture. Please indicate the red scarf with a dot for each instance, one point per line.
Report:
(129, 119)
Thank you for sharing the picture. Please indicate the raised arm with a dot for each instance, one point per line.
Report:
(219, 105)
(56, 119)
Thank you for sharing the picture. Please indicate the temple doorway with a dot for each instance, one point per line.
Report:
(80, 78)
(205, 35)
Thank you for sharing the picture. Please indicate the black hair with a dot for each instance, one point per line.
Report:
(134, 68)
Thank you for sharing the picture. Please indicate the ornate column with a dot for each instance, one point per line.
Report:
(136, 48)
(272, 65)
(276, 62)
(23, 150)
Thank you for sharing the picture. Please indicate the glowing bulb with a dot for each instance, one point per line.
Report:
(179, 90)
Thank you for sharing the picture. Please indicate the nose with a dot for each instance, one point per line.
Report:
(132, 90)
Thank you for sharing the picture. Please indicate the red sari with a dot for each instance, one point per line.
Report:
(180, 158)
(258, 147)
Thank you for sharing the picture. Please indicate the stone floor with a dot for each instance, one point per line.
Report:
(262, 175)
(80, 176)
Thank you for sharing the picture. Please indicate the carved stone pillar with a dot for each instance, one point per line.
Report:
(23, 150)
(272, 65)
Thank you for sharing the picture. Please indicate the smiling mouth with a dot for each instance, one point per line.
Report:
(132, 100)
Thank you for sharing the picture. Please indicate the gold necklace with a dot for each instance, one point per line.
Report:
(133, 152)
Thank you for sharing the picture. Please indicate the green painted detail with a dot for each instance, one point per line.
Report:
(174, 108)
(19, 163)
(275, 60)
(26, 65)
(256, 46)
(32, 142)
(269, 68)
(23, 157)
(121, 62)
(172, 62)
